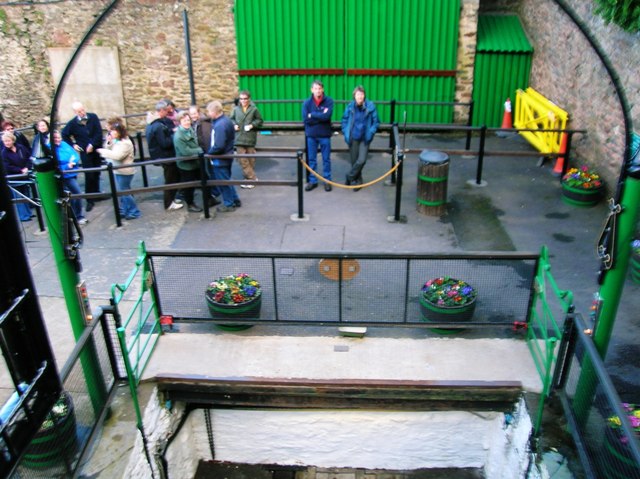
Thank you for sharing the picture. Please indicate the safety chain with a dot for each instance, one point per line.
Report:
(351, 187)
(207, 417)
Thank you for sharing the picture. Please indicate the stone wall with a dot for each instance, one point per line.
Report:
(467, 40)
(150, 40)
(567, 71)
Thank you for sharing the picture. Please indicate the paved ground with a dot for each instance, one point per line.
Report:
(519, 209)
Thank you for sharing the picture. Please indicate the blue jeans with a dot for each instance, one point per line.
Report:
(71, 185)
(229, 195)
(128, 207)
(214, 190)
(24, 210)
(312, 151)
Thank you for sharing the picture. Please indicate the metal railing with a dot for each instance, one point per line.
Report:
(333, 289)
(62, 449)
(606, 441)
(544, 332)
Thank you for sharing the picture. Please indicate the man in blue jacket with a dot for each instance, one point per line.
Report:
(316, 115)
(359, 125)
(84, 133)
(222, 140)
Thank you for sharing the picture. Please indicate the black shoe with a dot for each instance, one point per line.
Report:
(89, 207)
(193, 208)
(348, 182)
(327, 187)
(310, 186)
(213, 202)
(237, 203)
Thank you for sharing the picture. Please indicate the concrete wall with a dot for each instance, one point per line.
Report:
(393, 440)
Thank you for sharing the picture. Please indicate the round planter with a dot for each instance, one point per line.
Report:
(50, 445)
(581, 197)
(618, 461)
(447, 314)
(247, 310)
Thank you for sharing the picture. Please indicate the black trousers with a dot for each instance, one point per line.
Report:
(91, 178)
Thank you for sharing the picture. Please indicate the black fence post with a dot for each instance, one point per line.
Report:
(35, 195)
(206, 190)
(145, 179)
(393, 144)
(396, 214)
(483, 134)
(469, 123)
(299, 155)
(114, 196)
(392, 119)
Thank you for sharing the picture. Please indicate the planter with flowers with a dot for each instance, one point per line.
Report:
(620, 462)
(56, 439)
(447, 300)
(582, 187)
(234, 297)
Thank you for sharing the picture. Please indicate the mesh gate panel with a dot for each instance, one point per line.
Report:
(345, 289)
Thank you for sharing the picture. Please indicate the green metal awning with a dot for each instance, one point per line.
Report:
(502, 33)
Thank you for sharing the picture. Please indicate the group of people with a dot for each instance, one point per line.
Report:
(193, 135)
(187, 135)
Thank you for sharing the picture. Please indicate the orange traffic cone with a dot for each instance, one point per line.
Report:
(507, 121)
(559, 166)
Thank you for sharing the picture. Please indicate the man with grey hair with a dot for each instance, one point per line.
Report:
(221, 143)
(84, 133)
(159, 133)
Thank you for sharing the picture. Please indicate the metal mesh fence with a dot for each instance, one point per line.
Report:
(353, 289)
(603, 426)
(88, 380)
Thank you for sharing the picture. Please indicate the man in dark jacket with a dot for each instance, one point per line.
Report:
(84, 133)
(159, 133)
(221, 138)
(316, 115)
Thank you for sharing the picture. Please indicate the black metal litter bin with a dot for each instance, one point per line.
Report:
(433, 174)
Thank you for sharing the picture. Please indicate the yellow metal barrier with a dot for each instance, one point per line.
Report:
(535, 112)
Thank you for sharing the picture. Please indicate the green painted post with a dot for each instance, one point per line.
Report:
(69, 279)
(610, 292)
(611, 289)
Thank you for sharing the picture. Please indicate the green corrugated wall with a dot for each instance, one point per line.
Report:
(403, 49)
(503, 64)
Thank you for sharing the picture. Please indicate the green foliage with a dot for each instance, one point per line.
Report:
(624, 13)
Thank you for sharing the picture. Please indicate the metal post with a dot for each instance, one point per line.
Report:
(469, 124)
(483, 134)
(396, 213)
(187, 46)
(68, 273)
(300, 190)
(392, 120)
(610, 292)
(145, 179)
(114, 196)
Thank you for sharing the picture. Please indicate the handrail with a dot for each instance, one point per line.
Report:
(544, 333)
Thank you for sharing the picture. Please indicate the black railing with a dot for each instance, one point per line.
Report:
(346, 289)
(605, 439)
(61, 450)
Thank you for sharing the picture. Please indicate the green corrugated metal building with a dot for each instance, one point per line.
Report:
(404, 50)
(502, 65)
